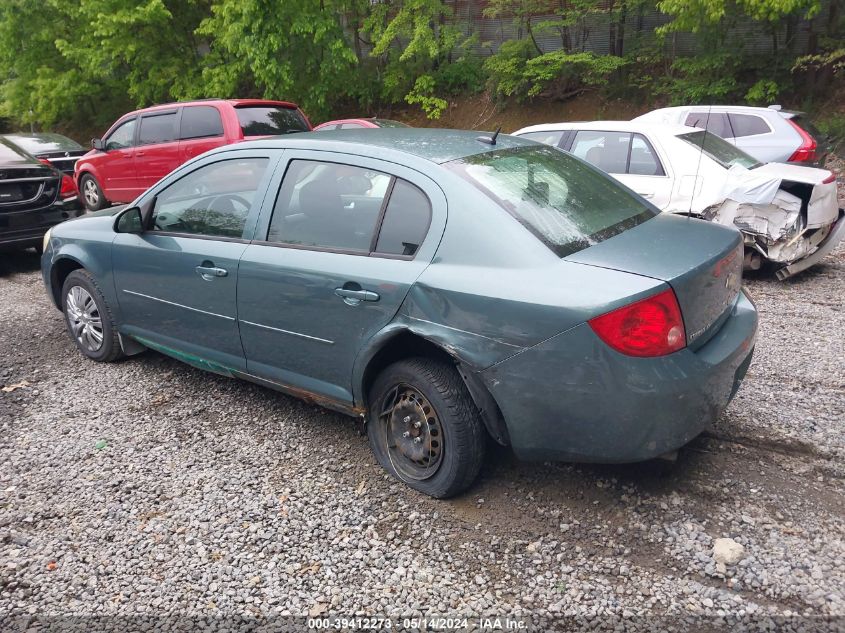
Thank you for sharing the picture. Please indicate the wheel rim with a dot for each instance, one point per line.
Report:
(92, 196)
(84, 318)
(413, 433)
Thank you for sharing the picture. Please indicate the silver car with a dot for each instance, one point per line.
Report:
(771, 135)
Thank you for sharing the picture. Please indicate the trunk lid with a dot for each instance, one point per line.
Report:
(700, 260)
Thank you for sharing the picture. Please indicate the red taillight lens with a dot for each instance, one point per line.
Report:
(650, 327)
(68, 189)
(807, 150)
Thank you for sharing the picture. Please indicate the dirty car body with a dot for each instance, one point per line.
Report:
(788, 214)
(514, 261)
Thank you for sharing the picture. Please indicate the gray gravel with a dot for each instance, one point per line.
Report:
(149, 487)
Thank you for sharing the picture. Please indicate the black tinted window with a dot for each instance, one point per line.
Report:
(214, 200)
(328, 205)
(714, 122)
(406, 221)
(201, 121)
(270, 121)
(158, 129)
(748, 125)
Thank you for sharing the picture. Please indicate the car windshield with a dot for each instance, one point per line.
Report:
(564, 201)
(720, 150)
(270, 121)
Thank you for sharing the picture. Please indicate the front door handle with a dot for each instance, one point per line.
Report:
(209, 271)
(353, 297)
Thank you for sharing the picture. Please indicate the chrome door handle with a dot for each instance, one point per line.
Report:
(210, 272)
(354, 297)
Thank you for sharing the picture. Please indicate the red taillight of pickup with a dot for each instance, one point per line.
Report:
(806, 152)
(68, 189)
(649, 327)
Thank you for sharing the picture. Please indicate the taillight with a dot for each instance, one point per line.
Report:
(807, 150)
(649, 327)
(68, 189)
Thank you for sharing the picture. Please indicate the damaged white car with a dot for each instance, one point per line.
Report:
(789, 215)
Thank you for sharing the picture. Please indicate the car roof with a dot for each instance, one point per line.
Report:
(771, 110)
(234, 102)
(432, 144)
(643, 127)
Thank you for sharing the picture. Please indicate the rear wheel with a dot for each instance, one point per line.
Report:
(88, 318)
(92, 195)
(424, 427)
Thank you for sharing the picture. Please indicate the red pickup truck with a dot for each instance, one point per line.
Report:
(144, 146)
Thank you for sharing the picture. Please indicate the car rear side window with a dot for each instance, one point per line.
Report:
(406, 220)
(270, 120)
(748, 125)
(568, 205)
(328, 205)
(200, 122)
(159, 128)
(549, 138)
(122, 137)
(643, 160)
(212, 201)
(714, 122)
(606, 150)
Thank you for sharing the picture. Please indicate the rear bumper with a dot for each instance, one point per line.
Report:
(27, 227)
(572, 398)
(837, 233)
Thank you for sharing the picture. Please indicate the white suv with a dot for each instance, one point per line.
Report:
(770, 135)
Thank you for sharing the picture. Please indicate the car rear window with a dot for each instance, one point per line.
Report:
(720, 150)
(270, 121)
(201, 122)
(565, 202)
(748, 125)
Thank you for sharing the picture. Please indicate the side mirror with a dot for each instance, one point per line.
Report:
(97, 143)
(130, 221)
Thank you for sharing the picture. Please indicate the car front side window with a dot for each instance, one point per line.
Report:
(329, 205)
(122, 137)
(212, 201)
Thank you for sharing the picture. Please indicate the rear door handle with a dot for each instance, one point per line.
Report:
(208, 271)
(354, 297)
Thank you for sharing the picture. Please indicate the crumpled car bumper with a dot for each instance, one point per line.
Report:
(837, 233)
(572, 398)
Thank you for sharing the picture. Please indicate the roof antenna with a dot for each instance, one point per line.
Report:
(700, 154)
(490, 140)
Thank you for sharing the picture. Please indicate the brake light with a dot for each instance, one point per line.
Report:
(649, 327)
(68, 189)
(807, 150)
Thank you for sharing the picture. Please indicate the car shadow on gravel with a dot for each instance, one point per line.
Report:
(14, 262)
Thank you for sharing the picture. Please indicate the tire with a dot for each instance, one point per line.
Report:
(438, 450)
(86, 313)
(92, 195)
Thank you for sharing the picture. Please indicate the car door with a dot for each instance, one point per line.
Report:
(177, 280)
(157, 153)
(200, 129)
(334, 255)
(117, 165)
(630, 158)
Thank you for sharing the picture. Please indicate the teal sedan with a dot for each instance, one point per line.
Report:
(443, 288)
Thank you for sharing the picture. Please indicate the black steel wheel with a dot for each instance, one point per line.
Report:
(424, 427)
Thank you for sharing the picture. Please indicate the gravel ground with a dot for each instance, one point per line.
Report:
(147, 487)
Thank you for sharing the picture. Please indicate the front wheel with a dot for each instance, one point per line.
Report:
(92, 195)
(424, 427)
(88, 318)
